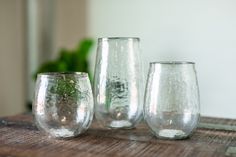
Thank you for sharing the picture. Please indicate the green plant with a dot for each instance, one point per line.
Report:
(70, 60)
(75, 60)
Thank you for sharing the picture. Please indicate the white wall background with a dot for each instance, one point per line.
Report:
(202, 31)
(12, 57)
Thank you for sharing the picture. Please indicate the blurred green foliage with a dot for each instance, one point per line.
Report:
(75, 60)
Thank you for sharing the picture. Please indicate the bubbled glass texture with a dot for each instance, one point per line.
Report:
(63, 104)
(118, 83)
(172, 99)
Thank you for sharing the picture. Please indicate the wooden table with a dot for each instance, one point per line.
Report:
(20, 138)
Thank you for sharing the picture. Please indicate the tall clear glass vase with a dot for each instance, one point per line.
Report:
(118, 82)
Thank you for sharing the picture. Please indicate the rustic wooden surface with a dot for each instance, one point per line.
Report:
(20, 138)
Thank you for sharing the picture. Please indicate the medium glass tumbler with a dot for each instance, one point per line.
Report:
(118, 84)
(172, 99)
(63, 104)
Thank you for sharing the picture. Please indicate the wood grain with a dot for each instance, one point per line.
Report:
(20, 138)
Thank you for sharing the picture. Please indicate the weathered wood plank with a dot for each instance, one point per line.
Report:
(20, 138)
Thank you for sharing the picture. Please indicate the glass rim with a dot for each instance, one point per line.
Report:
(119, 38)
(56, 74)
(172, 62)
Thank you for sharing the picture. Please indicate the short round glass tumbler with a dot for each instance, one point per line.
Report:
(118, 83)
(63, 104)
(172, 105)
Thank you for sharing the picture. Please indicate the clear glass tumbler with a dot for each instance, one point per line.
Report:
(171, 107)
(63, 104)
(118, 84)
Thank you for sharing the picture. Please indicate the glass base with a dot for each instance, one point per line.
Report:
(61, 133)
(120, 124)
(172, 134)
